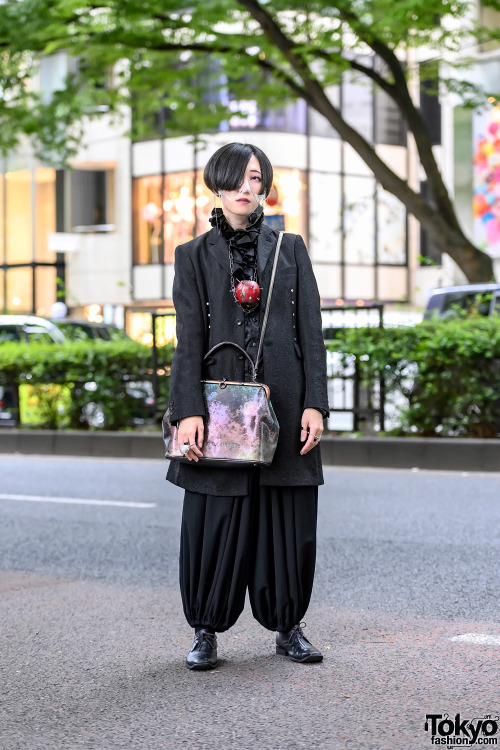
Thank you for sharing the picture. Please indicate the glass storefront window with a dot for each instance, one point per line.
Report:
(19, 290)
(359, 220)
(286, 204)
(318, 124)
(360, 282)
(204, 206)
(186, 210)
(147, 219)
(45, 289)
(357, 103)
(91, 198)
(391, 229)
(45, 214)
(180, 212)
(140, 328)
(389, 123)
(18, 216)
(325, 228)
(291, 118)
(165, 330)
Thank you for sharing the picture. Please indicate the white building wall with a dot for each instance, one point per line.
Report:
(100, 272)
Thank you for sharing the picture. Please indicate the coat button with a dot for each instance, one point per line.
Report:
(238, 322)
(240, 356)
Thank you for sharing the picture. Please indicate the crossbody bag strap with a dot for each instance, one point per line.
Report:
(266, 313)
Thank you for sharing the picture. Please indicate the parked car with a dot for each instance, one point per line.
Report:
(82, 329)
(29, 328)
(448, 302)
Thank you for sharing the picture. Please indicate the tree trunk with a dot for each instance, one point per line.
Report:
(476, 265)
(441, 225)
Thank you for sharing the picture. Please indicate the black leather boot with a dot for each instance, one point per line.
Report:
(294, 644)
(203, 654)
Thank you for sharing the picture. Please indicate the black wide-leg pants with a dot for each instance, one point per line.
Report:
(264, 541)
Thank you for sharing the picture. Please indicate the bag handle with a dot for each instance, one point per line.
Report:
(255, 364)
(231, 343)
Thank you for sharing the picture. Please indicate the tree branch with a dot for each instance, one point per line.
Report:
(364, 69)
(412, 114)
(442, 226)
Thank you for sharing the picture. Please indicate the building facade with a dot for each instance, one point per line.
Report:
(102, 237)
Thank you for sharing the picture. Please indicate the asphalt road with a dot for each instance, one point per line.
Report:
(93, 638)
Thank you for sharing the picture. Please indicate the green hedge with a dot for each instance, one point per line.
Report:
(446, 373)
(70, 382)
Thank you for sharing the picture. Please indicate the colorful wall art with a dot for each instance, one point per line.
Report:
(487, 179)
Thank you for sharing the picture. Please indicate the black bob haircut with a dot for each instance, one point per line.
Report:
(226, 168)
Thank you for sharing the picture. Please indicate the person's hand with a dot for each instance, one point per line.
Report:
(190, 431)
(311, 427)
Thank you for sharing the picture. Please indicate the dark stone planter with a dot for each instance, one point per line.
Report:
(454, 454)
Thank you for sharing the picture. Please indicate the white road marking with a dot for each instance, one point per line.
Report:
(481, 638)
(75, 501)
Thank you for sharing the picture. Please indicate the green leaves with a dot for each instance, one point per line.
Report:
(448, 373)
(97, 373)
(160, 50)
(198, 61)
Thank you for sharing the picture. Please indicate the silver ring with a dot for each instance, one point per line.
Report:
(184, 449)
(191, 445)
(316, 438)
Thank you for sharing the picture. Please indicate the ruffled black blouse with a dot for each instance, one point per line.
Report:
(243, 245)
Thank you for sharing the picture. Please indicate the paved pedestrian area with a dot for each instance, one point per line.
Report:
(93, 638)
(90, 665)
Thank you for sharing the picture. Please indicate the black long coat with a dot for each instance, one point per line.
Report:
(293, 353)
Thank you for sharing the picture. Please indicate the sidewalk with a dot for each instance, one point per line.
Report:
(453, 454)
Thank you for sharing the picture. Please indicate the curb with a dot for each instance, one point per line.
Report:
(451, 454)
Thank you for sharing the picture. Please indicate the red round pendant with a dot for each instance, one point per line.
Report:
(248, 294)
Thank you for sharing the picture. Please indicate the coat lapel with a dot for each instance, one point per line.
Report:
(217, 246)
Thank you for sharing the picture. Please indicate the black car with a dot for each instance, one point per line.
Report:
(30, 328)
(82, 329)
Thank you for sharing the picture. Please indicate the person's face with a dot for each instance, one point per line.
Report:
(239, 204)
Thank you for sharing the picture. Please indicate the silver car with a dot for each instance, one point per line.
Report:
(28, 328)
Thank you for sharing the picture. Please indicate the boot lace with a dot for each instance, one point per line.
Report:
(297, 632)
(201, 636)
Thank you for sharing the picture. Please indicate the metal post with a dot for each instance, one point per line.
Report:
(154, 317)
(355, 404)
(382, 378)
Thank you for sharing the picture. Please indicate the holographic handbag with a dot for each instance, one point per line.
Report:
(240, 424)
